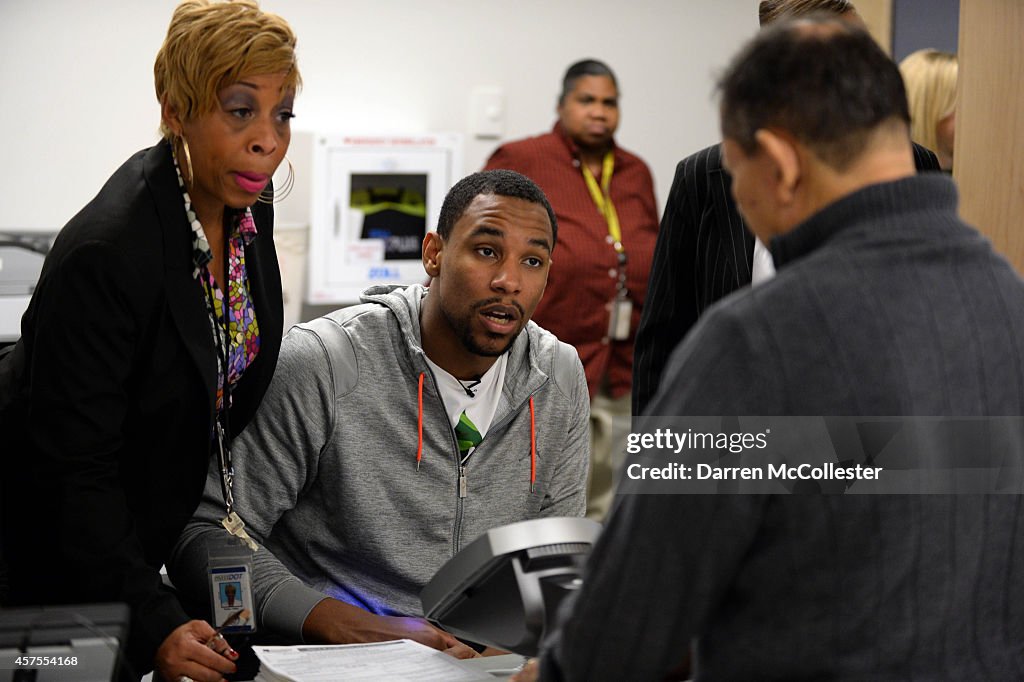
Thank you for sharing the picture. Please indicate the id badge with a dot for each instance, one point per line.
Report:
(620, 319)
(230, 573)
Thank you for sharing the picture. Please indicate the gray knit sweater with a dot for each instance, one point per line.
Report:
(885, 304)
(326, 476)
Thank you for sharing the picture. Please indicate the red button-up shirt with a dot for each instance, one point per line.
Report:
(584, 272)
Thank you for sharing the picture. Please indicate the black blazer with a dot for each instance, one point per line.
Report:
(115, 379)
(704, 253)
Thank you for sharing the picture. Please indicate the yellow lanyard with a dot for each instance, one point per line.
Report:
(603, 198)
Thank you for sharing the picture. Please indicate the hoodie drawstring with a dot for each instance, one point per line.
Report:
(533, 448)
(419, 446)
(533, 435)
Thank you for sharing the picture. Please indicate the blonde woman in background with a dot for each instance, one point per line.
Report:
(930, 79)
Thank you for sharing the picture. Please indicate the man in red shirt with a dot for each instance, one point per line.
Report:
(603, 197)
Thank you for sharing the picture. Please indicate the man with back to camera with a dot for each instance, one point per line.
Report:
(397, 431)
(705, 251)
(885, 303)
(604, 199)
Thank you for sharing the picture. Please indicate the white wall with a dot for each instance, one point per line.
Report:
(78, 99)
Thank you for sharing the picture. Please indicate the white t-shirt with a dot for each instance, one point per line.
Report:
(763, 266)
(481, 405)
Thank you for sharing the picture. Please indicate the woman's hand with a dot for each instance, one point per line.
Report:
(196, 651)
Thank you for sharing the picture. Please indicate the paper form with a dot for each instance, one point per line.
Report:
(394, 661)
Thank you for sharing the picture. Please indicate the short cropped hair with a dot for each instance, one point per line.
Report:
(770, 11)
(500, 182)
(586, 67)
(210, 45)
(831, 89)
(930, 79)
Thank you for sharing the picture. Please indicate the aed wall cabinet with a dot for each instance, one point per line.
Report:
(374, 198)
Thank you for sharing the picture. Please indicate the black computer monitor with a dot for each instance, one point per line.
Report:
(503, 589)
(75, 643)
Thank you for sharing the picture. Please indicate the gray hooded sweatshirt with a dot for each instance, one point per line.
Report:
(326, 477)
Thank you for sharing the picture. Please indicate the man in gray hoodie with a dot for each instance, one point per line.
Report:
(398, 430)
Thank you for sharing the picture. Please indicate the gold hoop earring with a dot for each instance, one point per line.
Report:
(276, 196)
(188, 159)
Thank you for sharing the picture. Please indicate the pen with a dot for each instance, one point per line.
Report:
(239, 615)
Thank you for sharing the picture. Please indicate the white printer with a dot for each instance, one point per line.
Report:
(21, 260)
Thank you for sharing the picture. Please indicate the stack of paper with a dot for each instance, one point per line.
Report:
(395, 661)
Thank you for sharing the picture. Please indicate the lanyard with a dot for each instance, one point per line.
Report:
(231, 522)
(603, 199)
(222, 346)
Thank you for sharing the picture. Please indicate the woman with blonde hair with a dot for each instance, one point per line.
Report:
(150, 340)
(930, 79)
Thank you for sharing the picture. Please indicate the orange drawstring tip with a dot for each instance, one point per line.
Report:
(533, 447)
(419, 426)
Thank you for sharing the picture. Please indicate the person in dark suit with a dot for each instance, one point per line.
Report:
(151, 338)
(704, 250)
(885, 303)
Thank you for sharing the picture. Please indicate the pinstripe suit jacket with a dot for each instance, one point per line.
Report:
(704, 252)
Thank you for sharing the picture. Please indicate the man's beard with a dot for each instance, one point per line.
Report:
(463, 329)
(466, 336)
